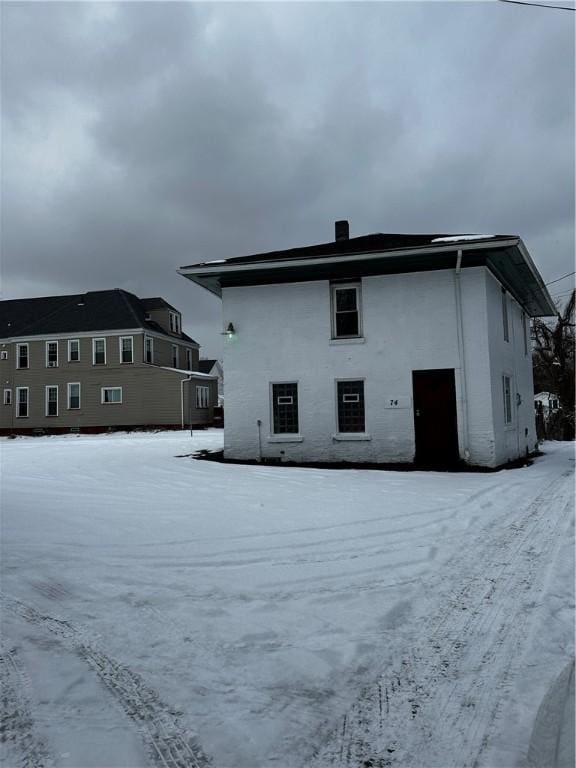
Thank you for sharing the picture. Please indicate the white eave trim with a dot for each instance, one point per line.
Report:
(100, 334)
(226, 268)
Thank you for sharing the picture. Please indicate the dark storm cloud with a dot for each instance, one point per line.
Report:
(139, 137)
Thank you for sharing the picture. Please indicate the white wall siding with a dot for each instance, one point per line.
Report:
(409, 322)
(509, 358)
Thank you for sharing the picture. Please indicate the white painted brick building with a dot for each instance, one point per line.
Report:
(384, 348)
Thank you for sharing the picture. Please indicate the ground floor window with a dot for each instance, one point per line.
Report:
(202, 397)
(507, 394)
(74, 396)
(285, 408)
(52, 400)
(111, 395)
(148, 349)
(7, 397)
(22, 401)
(351, 416)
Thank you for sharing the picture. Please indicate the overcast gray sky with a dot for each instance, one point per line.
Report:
(138, 137)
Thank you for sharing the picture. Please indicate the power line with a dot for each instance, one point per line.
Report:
(561, 278)
(540, 5)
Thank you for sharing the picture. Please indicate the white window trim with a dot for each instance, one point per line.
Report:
(334, 287)
(174, 321)
(74, 384)
(47, 389)
(115, 402)
(4, 355)
(175, 356)
(505, 316)
(202, 391)
(94, 340)
(53, 365)
(23, 367)
(70, 342)
(188, 359)
(18, 390)
(127, 362)
(151, 340)
(7, 400)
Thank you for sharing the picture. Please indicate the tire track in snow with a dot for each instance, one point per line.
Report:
(437, 706)
(17, 730)
(168, 745)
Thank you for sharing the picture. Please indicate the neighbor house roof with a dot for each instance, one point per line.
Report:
(93, 311)
(376, 254)
(206, 365)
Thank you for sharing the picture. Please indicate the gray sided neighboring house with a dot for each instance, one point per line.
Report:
(99, 360)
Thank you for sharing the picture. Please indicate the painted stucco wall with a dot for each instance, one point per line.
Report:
(510, 358)
(409, 323)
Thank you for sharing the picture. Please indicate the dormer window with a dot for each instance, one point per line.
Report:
(174, 322)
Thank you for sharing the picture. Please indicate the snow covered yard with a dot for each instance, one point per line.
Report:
(161, 611)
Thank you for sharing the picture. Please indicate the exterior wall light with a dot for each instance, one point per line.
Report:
(230, 331)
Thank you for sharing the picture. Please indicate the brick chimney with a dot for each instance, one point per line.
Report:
(342, 230)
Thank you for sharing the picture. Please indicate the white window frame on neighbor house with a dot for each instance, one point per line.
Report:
(149, 348)
(94, 342)
(507, 398)
(4, 355)
(334, 289)
(505, 319)
(175, 356)
(174, 319)
(103, 400)
(70, 358)
(202, 396)
(188, 359)
(19, 402)
(18, 348)
(121, 344)
(7, 397)
(69, 395)
(47, 401)
(51, 363)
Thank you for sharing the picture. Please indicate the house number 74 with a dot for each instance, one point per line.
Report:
(393, 402)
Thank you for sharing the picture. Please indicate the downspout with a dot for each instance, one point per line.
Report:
(182, 382)
(461, 358)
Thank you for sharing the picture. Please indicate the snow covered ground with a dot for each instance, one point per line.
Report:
(161, 611)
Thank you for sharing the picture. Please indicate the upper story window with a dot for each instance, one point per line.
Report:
(51, 354)
(174, 322)
(126, 349)
(525, 332)
(148, 349)
(285, 408)
(73, 350)
(188, 359)
(507, 394)
(346, 311)
(505, 316)
(22, 360)
(351, 416)
(174, 356)
(98, 351)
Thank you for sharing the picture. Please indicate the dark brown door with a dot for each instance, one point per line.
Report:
(435, 422)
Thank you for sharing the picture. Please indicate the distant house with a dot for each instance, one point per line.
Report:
(382, 348)
(547, 403)
(99, 360)
(213, 368)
